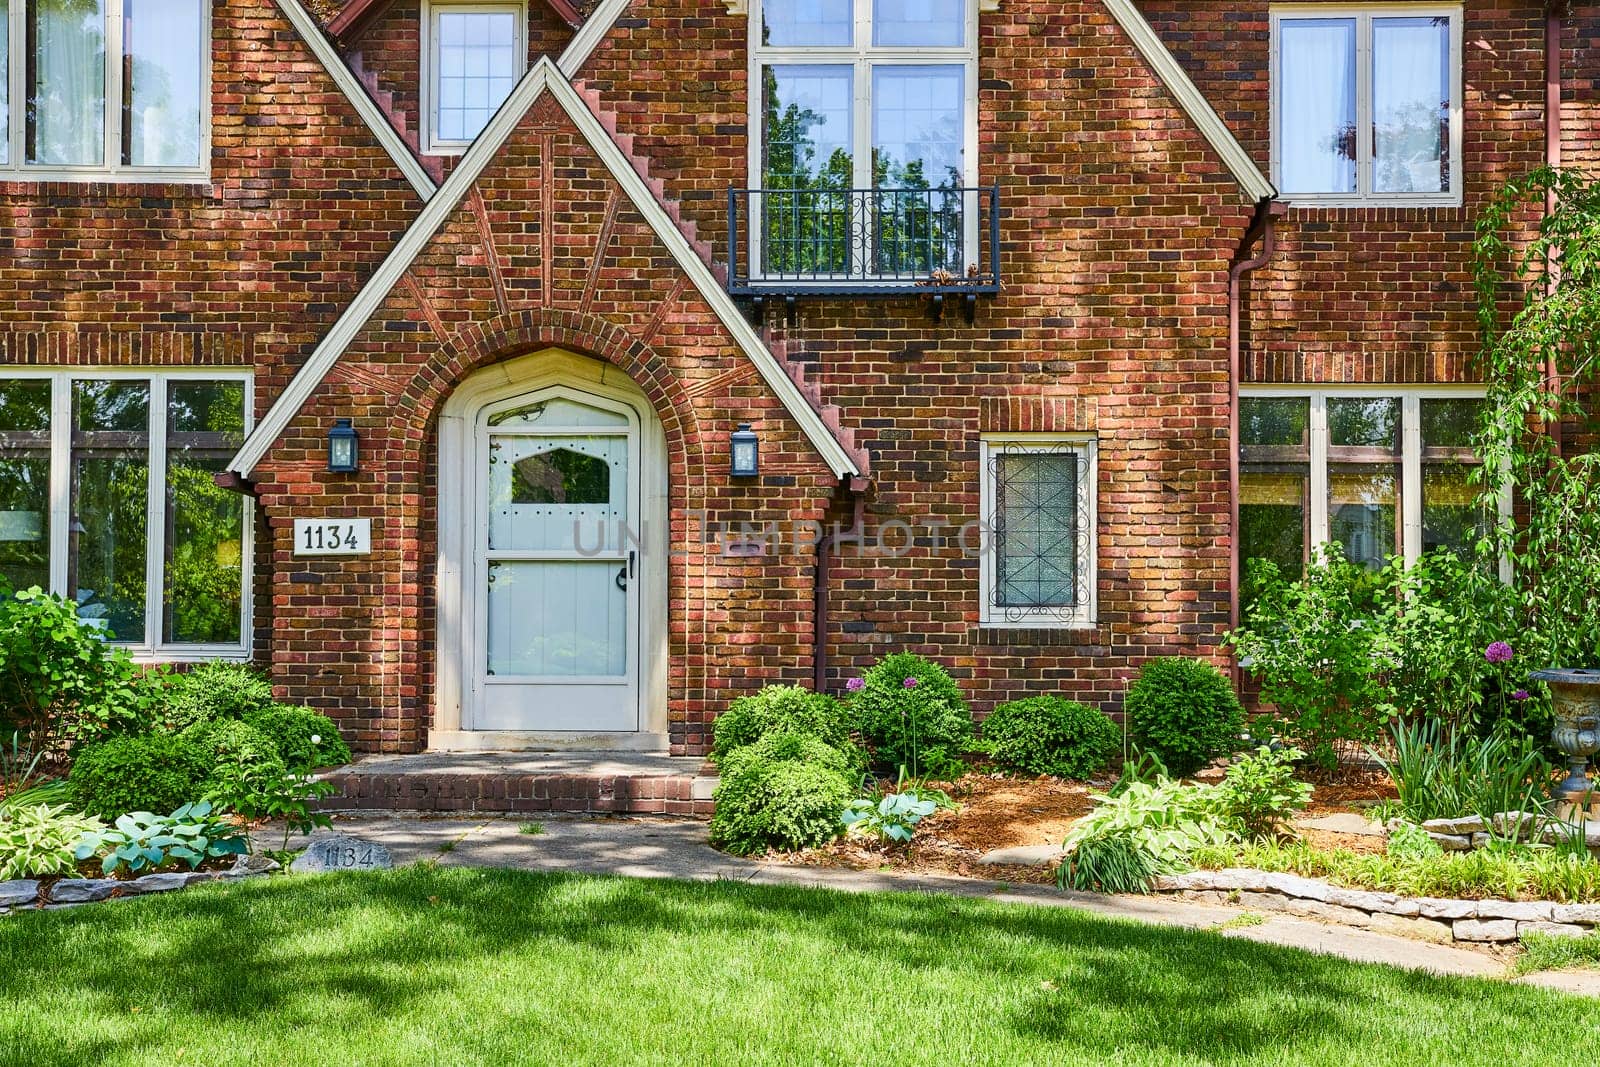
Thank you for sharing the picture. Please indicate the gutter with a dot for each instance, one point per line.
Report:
(1262, 229)
(826, 547)
(1555, 12)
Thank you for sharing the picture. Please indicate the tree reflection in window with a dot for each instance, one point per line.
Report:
(561, 476)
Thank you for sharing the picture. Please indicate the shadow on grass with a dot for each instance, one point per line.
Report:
(326, 956)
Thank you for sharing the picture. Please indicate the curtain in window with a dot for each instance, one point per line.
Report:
(1317, 105)
(163, 47)
(1410, 105)
(66, 82)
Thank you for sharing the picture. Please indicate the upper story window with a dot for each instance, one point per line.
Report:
(472, 56)
(91, 89)
(106, 496)
(866, 162)
(1366, 103)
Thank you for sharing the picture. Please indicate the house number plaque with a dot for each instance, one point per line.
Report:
(332, 537)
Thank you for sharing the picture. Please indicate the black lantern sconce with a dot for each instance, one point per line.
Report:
(744, 452)
(342, 455)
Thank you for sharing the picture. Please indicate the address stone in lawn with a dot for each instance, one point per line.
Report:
(1022, 856)
(81, 890)
(341, 852)
(17, 893)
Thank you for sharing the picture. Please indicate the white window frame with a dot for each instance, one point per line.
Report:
(1410, 397)
(1082, 615)
(862, 56)
(431, 145)
(112, 169)
(1363, 15)
(152, 648)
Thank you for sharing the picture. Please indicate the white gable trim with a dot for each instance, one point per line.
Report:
(543, 77)
(371, 114)
(1192, 101)
(589, 36)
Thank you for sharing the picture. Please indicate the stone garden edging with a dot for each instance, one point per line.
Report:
(23, 893)
(1433, 919)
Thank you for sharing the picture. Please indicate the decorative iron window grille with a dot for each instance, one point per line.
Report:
(1040, 502)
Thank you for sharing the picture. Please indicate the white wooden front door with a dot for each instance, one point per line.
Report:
(558, 604)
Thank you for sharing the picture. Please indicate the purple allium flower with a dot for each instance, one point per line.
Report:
(1521, 694)
(855, 685)
(1499, 652)
(910, 683)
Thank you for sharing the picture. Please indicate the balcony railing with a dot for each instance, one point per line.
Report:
(863, 242)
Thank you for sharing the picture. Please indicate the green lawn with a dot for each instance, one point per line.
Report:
(453, 966)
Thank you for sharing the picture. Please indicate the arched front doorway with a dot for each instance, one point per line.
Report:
(552, 560)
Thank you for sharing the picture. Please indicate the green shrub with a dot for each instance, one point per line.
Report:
(292, 729)
(141, 772)
(1111, 865)
(141, 842)
(1440, 773)
(211, 691)
(1050, 735)
(244, 762)
(785, 792)
(913, 715)
(1259, 793)
(780, 709)
(37, 841)
(62, 685)
(1184, 711)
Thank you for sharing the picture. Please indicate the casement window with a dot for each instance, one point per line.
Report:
(105, 90)
(472, 56)
(1379, 471)
(866, 164)
(1366, 103)
(1038, 499)
(106, 496)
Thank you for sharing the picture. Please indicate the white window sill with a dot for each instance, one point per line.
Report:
(1312, 203)
(105, 177)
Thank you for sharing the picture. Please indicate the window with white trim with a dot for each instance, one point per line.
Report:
(1366, 103)
(1379, 471)
(867, 118)
(472, 56)
(106, 496)
(1038, 499)
(98, 89)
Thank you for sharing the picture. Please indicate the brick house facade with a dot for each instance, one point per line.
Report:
(575, 258)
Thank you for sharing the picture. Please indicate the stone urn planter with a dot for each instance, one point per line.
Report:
(1576, 695)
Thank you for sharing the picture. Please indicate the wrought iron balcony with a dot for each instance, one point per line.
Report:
(937, 243)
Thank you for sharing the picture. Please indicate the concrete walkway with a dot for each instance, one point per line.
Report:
(642, 847)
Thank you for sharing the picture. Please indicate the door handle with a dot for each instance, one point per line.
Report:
(627, 570)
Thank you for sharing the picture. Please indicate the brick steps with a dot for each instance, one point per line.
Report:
(391, 785)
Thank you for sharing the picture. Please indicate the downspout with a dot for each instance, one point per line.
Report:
(825, 549)
(1262, 229)
(1553, 25)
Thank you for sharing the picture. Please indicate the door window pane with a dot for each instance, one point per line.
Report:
(1411, 105)
(66, 79)
(25, 483)
(557, 618)
(808, 23)
(919, 23)
(204, 537)
(557, 492)
(110, 503)
(1036, 529)
(1317, 105)
(476, 66)
(163, 44)
(1364, 422)
(1362, 504)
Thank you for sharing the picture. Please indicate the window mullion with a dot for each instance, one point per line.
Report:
(112, 113)
(16, 113)
(1411, 482)
(155, 526)
(1364, 105)
(1319, 473)
(60, 481)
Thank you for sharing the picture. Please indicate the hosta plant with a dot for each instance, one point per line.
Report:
(893, 818)
(142, 841)
(39, 840)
